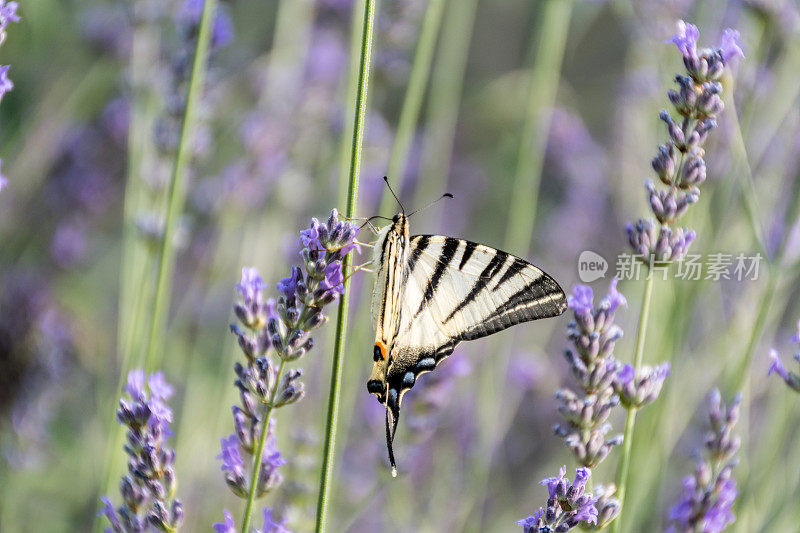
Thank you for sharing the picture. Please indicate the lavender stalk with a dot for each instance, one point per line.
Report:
(272, 334)
(8, 13)
(709, 493)
(593, 335)
(681, 167)
(148, 488)
(341, 323)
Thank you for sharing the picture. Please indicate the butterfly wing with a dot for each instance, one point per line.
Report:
(456, 290)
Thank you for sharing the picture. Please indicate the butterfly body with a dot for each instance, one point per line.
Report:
(432, 292)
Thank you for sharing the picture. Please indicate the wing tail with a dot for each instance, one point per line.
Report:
(391, 428)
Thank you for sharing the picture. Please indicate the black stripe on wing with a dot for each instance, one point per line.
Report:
(491, 269)
(418, 245)
(445, 258)
(469, 248)
(541, 298)
(517, 266)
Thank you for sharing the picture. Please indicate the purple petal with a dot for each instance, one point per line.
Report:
(777, 365)
(159, 388)
(627, 374)
(135, 384)
(271, 525)
(230, 455)
(686, 39)
(730, 45)
(228, 526)
(581, 299)
(796, 338)
(614, 299)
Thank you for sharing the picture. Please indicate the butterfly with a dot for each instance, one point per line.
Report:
(432, 292)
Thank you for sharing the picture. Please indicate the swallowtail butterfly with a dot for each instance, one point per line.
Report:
(432, 292)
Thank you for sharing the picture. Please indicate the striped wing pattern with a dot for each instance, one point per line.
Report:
(456, 290)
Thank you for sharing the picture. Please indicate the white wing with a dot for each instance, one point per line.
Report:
(457, 290)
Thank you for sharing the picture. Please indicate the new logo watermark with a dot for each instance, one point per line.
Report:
(591, 266)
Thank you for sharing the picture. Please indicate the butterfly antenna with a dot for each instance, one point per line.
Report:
(373, 217)
(445, 195)
(389, 439)
(402, 209)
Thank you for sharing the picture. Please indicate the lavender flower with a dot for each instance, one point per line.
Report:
(270, 524)
(637, 389)
(567, 505)
(8, 14)
(792, 379)
(149, 487)
(593, 335)
(679, 163)
(709, 493)
(5, 83)
(191, 12)
(271, 334)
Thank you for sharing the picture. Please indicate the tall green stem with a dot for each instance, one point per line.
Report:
(251, 495)
(412, 102)
(625, 459)
(341, 323)
(547, 56)
(444, 99)
(178, 183)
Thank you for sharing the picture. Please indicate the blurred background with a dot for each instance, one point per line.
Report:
(541, 117)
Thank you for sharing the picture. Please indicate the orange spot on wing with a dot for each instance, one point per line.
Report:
(382, 348)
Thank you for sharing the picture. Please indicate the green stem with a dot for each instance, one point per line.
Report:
(412, 102)
(251, 495)
(547, 55)
(625, 459)
(341, 323)
(444, 100)
(178, 185)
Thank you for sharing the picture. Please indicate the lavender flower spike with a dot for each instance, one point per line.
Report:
(148, 488)
(593, 335)
(709, 493)
(679, 163)
(272, 333)
(567, 505)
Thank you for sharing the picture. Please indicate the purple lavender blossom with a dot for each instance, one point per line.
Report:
(730, 46)
(228, 526)
(273, 334)
(8, 13)
(567, 505)
(637, 389)
(593, 335)
(686, 39)
(222, 33)
(680, 163)
(792, 379)
(5, 83)
(148, 488)
(3, 180)
(709, 493)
